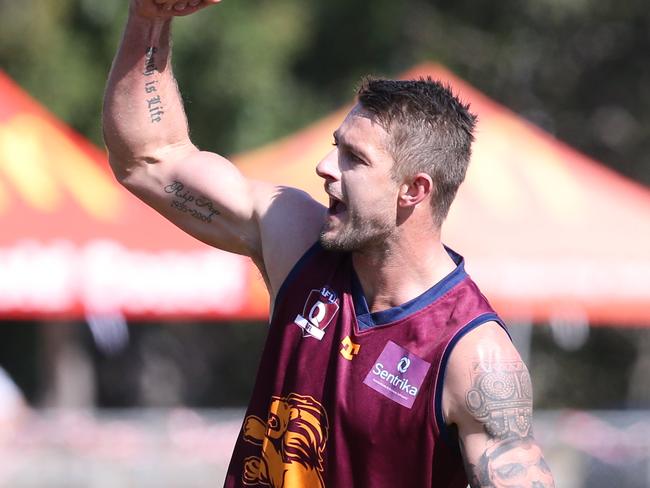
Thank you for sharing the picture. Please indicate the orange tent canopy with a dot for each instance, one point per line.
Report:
(73, 242)
(546, 232)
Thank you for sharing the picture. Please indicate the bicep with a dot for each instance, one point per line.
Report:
(489, 397)
(205, 195)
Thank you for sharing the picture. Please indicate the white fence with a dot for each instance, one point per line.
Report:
(191, 448)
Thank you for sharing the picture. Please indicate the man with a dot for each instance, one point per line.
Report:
(384, 365)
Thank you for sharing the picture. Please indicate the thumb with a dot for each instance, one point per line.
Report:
(190, 6)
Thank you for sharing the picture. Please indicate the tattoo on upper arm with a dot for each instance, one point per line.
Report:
(185, 201)
(501, 399)
(154, 102)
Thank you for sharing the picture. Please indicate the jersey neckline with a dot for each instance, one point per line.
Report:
(367, 320)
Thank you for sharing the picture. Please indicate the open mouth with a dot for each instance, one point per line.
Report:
(336, 206)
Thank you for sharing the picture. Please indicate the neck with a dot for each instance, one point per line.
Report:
(404, 269)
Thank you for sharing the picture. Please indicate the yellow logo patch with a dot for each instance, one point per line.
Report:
(349, 349)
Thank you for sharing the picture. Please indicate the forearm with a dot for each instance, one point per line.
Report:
(143, 113)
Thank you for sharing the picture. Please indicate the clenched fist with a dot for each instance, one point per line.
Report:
(164, 9)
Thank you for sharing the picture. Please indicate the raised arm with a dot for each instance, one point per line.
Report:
(151, 154)
(488, 396)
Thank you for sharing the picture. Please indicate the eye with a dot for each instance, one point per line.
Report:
(350, 156)
(356, 159)
(345, 152)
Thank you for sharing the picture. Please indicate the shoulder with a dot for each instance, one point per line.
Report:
(290, 221)
(484, 358)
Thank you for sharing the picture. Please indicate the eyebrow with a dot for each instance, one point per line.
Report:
(350, 147)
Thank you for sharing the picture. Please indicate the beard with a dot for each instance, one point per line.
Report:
(356, 234)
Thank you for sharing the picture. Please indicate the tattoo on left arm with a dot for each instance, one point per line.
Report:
(185, 201)
(501, 399)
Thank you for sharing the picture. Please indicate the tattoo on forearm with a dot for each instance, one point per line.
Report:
(511, 463)
(150, 60)
(185, 201)
(154, 103)
(502, 398)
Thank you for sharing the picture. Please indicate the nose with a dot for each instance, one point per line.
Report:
(328, 168)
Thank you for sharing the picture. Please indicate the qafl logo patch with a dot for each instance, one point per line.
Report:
(320, 308)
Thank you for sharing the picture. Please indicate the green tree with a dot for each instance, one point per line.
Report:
(252, 71)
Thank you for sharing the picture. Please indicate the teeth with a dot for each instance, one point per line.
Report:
(335, 205)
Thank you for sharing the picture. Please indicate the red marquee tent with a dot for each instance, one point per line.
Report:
(546, 231)
(73, 242)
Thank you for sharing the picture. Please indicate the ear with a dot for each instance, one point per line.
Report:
(415, 190)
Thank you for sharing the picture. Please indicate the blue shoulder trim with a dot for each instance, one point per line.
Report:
(480, 320)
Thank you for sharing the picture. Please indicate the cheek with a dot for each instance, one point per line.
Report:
(372, 190)
(369, 194)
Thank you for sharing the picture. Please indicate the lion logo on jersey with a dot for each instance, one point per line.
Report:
(292, 442)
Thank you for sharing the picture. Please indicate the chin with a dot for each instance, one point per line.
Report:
(355, 238)
(332, 241)
(344, 242)
(329, 242)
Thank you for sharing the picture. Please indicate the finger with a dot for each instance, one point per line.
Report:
(179, 7)
(194, 3)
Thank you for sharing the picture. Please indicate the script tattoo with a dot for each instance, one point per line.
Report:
(501, 398)
(154, 102)
(197, 206)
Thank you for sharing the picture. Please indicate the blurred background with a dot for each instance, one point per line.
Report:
(128, 351)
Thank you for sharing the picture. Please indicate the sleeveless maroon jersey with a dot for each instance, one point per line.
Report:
(345, 398)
